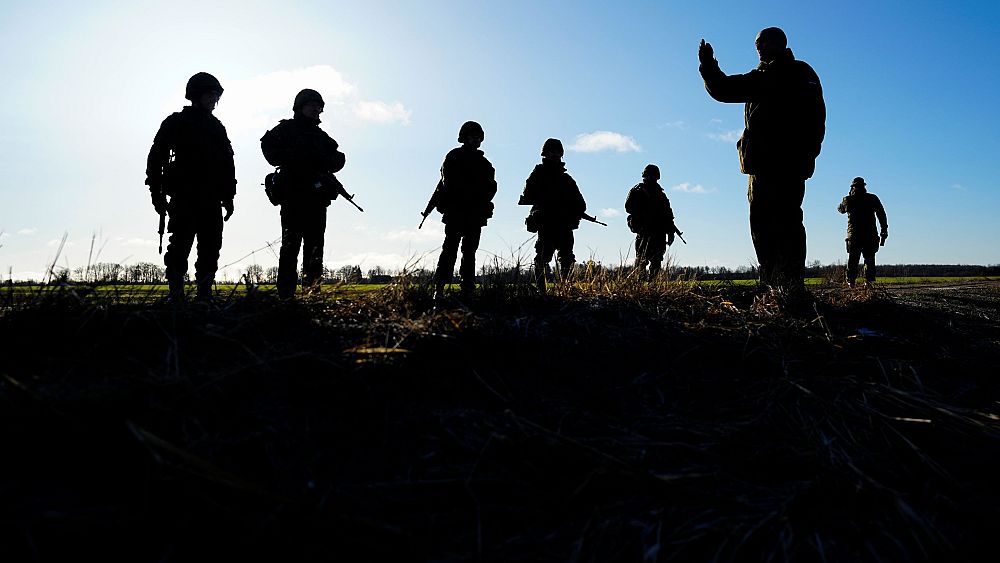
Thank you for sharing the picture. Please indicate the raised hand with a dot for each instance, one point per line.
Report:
(705, 52)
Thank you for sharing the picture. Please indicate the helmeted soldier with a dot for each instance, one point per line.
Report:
(862, 208)
(651, 219)
(191, 162)
(307, 158)
(464, 196)
(785, 120)
(556, 209)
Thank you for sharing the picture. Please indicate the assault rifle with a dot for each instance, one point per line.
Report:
(333, 183)
(431, 204)
(592, 219)
(163, 227)
(680, 235)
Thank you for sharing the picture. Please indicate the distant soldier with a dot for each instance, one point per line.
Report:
(191, 162)
(556, 209)
(785, 122)
(651, 219)
(464, 196)
(862, 208)
(308, 159)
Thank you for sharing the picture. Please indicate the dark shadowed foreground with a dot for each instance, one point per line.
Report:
(597, 425)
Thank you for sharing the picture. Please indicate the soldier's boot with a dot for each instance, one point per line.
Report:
(205, 291)
(566, 270)
(176, 290)
(540, 277)
(438, 291)
(654, 270)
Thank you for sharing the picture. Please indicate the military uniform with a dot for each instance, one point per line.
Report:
(191, 161)
(556, 208)
(464, 196)
(652, 221)
(784, 127)
(862, 209)
(307, 158)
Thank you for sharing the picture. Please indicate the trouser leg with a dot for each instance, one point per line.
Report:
(176, 258)
(853, 256)
(566, 257)
(446, 261)
(288, 256)
(209, 247)
(313, 235)
(869, 254)
(777, 230)
(641, 246)
(544, 250)
(467, 269)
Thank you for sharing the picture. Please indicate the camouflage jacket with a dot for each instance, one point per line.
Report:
(862, 209)
(649, 209)
(305, 154)
(784, 115)
(466, 189)
(202, 168)
(554, 197)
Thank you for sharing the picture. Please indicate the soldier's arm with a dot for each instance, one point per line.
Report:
(883, 221)
(842, 208)
(230, 166)
(334, 160)
(159, 154)
(735, 88)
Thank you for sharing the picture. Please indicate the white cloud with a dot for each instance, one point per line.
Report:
(29, 231)
(604, 141)
(431, 231)
(715, 121)
(958, 187)
(673, 125)
(610, 212)
(255, 104)
(140, 242)
(726, 137)
(687, 188)
(381, 112)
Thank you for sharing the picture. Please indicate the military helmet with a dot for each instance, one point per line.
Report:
(201, 83)
(470, 129)
(306, 96)
(859, 181)
(652, 171)
(553, 145)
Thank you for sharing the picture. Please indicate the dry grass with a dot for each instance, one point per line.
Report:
(613, 419)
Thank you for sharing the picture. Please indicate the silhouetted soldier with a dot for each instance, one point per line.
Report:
(464, 196)
(191, 162)
(651, 219)
(307, 158)
(556, 209)
(785, 123)
(862, 208)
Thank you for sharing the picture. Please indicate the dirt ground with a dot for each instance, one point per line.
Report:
(722, 424)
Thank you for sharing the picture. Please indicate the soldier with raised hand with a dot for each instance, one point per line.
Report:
(464, 196)
(862, 209)
(308, 158)
(785, 120)
(652, 221)
(556, 209)
(191, 163)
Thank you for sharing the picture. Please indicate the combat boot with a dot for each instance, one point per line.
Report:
(176, 290)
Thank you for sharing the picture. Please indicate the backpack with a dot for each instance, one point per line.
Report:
(273, 187)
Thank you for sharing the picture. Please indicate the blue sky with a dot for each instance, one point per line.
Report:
(910, 89)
